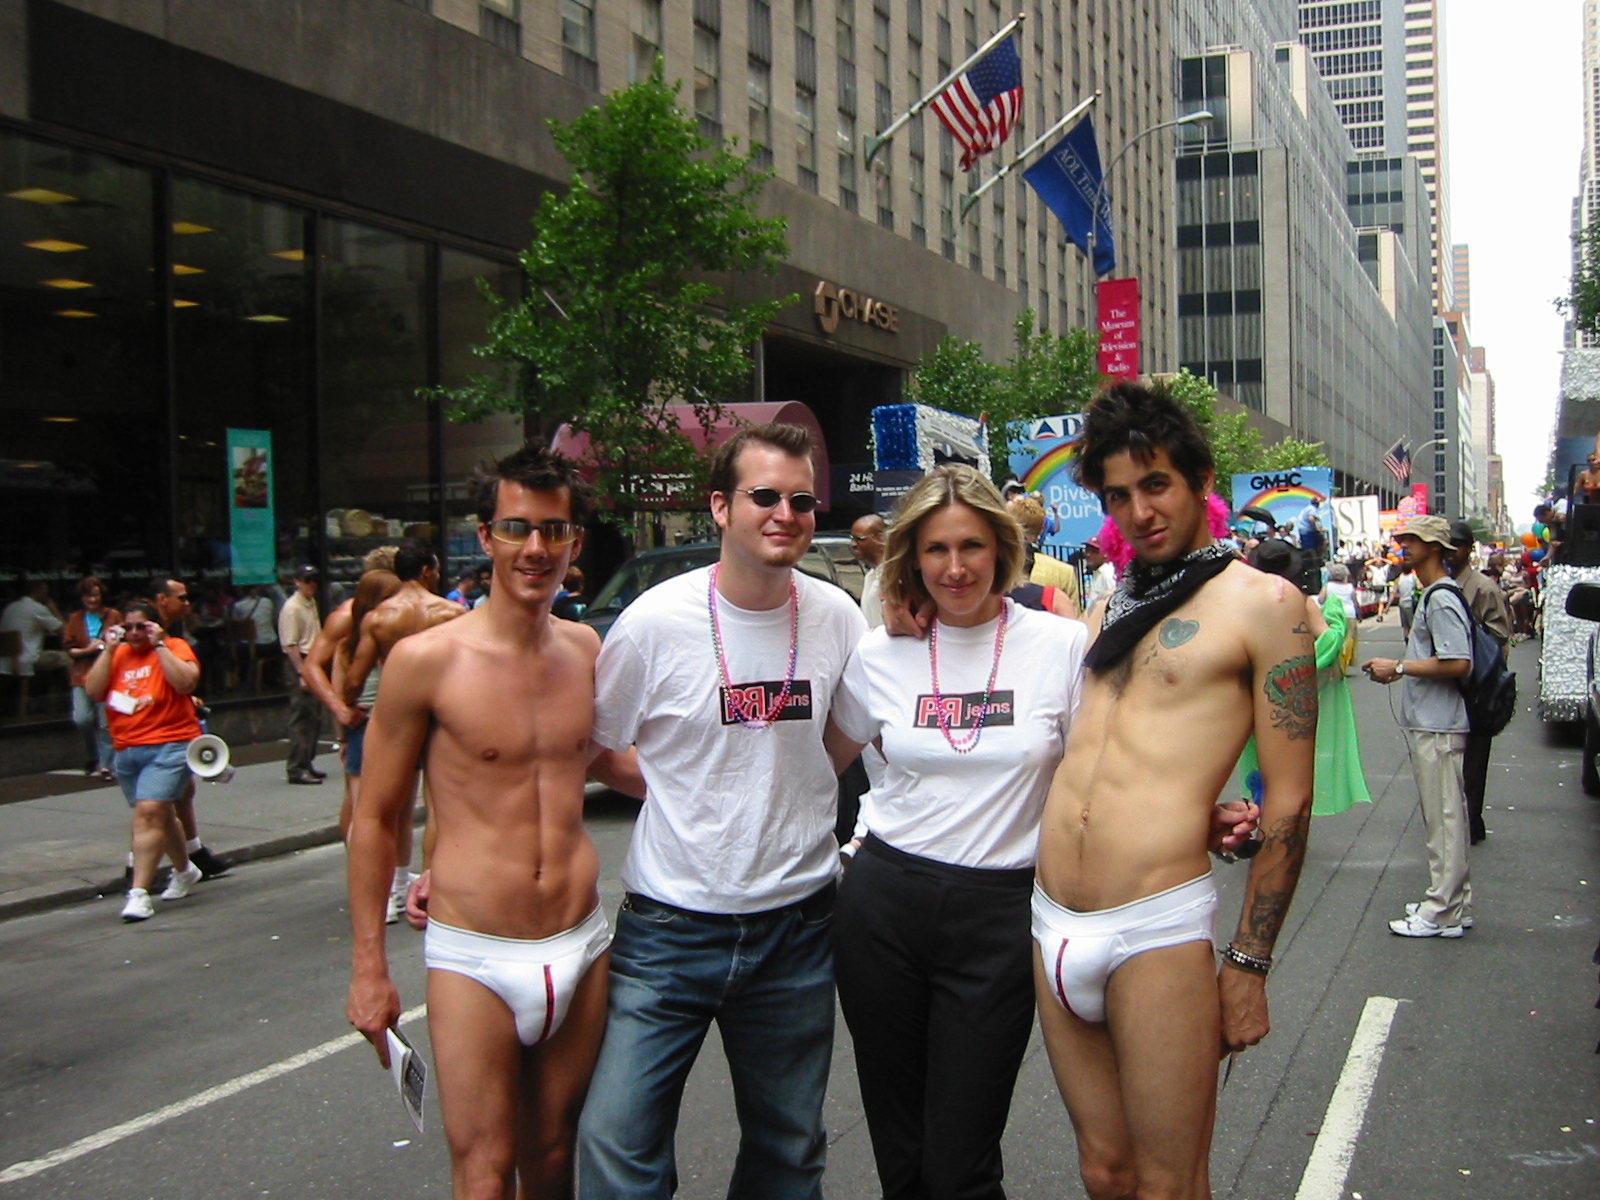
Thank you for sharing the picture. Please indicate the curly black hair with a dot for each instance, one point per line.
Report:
(1136, 420)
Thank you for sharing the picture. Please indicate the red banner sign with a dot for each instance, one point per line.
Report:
(1419, 493)
(1118, 303)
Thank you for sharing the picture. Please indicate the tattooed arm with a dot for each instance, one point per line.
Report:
(1285, 693)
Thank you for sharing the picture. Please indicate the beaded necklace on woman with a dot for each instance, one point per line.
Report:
(748, 713)
(968, 742)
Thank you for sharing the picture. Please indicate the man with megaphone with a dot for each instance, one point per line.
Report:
(145, 679)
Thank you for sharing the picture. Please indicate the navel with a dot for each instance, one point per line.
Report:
(490, 754)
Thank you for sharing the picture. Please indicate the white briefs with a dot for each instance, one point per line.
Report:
(535, 978)
(1081, 950)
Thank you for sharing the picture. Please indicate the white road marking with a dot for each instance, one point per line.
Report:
(1335, 1146)
(108, 1137)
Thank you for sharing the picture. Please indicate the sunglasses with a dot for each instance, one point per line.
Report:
(765, 497)
(514, 531)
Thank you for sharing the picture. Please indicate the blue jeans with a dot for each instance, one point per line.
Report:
(767, 980)
(90, 718)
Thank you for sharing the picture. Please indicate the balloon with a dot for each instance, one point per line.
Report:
(1531, 542)
(1536, 555)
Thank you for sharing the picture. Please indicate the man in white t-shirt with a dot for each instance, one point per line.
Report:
(866, 543)
(723, 678)
(1102, 575)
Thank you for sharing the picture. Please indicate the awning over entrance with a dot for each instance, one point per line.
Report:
(734, 417)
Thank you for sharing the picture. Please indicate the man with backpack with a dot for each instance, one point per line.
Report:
(1433, 713)
(1490, 610)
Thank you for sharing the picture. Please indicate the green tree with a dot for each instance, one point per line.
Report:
(1581, 305)
(1236, 445)
(618, 324)
(1045, 377)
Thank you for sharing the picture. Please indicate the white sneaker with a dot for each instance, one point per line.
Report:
(178, 887)
(138, 907)
(1414, 907)
(1419, 926)
(396, 906)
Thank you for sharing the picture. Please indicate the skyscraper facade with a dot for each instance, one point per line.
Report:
(1282, 301)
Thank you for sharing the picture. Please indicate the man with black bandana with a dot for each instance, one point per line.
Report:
(1192, 653)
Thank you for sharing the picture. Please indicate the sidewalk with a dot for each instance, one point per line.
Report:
(70, 846)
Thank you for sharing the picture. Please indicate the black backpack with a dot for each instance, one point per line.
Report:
(1490, 688)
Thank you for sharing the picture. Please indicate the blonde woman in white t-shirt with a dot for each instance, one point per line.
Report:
(932, 950)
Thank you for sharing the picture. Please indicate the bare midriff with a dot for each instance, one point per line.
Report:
(1152, 746)
(505, 764)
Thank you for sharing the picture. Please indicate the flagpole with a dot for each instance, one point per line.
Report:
(971, 198)
(1091, 317)
(872, 143)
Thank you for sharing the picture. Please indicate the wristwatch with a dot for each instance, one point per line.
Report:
(1399, 668)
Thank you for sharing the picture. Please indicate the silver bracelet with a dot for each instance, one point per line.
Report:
(1246, 962)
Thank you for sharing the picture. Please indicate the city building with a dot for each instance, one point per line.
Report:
(1283, 300)
(1577, 429)
(1383, 63)
(269, 219)
(1481, 502)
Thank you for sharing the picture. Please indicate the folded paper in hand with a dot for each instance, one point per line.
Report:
(410, 1075)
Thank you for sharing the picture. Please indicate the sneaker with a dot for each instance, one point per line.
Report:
(138, 907)
(1413, 908)
(1419, 926)
(180, 883)
(396, 906)
(211, 865)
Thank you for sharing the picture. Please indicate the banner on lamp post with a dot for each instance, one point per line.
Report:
(1419, 494)
(1117, 309)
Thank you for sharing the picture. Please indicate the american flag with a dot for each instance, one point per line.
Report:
(1398, 461)
(982, 104)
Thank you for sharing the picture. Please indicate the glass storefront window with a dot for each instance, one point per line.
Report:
(377, 482)
(463, 317)
(84, 460)
(241, 355)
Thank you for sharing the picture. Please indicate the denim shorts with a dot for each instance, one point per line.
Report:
(159, 772)
(354, 740)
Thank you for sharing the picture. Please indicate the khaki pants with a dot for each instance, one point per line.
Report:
(1436, 761)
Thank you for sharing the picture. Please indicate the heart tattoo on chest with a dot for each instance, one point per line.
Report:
(1175, 633)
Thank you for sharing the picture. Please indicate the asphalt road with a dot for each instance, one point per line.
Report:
(1487, 1085)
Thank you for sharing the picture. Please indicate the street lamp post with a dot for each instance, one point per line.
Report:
(1195, 118)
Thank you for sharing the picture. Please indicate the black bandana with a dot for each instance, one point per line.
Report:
(1148, 593)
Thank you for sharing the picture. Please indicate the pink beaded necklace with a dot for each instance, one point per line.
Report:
(742, 711)
(969, 741)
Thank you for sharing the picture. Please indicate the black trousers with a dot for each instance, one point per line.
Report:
(934, 965)
(1475, 770)
(305, 722)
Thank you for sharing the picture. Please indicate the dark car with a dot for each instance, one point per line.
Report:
(1583, 602)
(643, 571)
(839, 548)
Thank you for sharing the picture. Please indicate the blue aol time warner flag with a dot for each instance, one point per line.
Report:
(1066, 179)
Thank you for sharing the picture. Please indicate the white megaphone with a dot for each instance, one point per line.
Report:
(208, 758)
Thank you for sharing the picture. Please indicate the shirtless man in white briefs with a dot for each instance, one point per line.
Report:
(1192, 653)
(498, 705)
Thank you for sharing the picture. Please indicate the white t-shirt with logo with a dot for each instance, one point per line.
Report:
(737, 820)
(981, 808)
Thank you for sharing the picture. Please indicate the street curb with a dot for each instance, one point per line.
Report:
(46, 897)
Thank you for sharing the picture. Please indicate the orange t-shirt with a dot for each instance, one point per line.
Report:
(170, 715)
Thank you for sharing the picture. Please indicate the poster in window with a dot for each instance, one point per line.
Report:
(250, 507)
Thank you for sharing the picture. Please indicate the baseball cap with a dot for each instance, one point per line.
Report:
(1461, 534)
(1427, 528)
(307, 573)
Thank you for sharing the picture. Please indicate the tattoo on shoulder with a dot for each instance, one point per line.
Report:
(1175, 633)
(1291, 689)
(1302, 628)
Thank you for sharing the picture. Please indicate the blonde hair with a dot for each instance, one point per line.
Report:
(940, 488)
(1029, 514)
(381, 559)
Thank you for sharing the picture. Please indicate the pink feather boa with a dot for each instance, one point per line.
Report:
(1121, 554)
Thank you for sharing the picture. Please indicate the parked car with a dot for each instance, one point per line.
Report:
(643, 571)
(841, 551)
(1583, 602)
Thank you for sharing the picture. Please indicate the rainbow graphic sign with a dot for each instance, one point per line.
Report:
(1283, 493)
(1042, 460)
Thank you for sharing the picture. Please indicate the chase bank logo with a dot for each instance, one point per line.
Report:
(830, 303)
